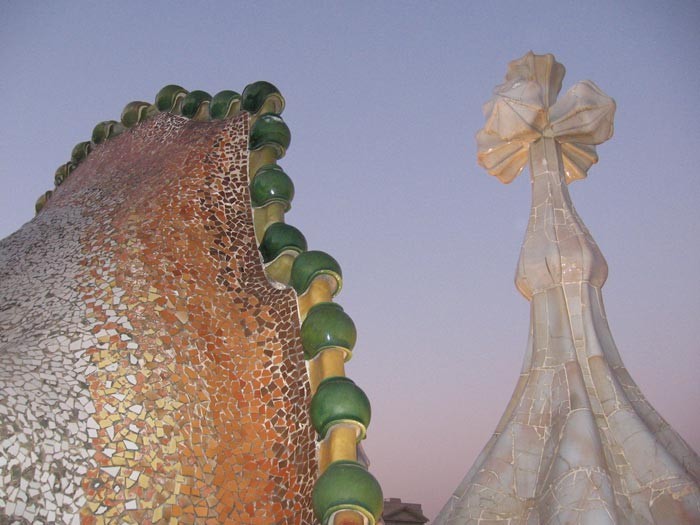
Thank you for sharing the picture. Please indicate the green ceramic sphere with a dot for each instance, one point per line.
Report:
(134, 112)
(310, 265)
(271, 184)
(193, 101)
(347, 485)
(62, 173)
(80, 151)
(168, 97)
(223, 103)
(270, 130)
(279, 238)
(255, 94)
(327, 326)
(42, 200)
(105, 130)
(336, 400)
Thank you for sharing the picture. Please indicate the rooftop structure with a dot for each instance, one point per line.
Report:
(578, 442)
(171, 351)
(397, 512)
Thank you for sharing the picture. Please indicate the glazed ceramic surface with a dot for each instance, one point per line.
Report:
(578, 442)
(151, 363)
(149, 371)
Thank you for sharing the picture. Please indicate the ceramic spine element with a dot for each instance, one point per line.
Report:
(135, 112)
(345, 493)
(195, 105)
(224, 104)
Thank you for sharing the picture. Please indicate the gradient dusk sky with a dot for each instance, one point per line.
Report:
(383, 101)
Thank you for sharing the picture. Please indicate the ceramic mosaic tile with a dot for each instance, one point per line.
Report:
(149, 372)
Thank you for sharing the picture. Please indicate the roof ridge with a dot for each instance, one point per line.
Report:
(340, 411)
(257, 97)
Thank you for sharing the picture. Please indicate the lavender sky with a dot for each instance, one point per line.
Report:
(383, 100)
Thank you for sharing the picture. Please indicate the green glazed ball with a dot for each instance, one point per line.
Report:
(347, 485)
(193, 101)
(105, 130)
(279, 238)
(62, 173)
(42, 200)
(80, 151)
(271, 184)
(338, 399)
(255, 94)
(224, 104)
(270, 130)
(310, 265)
(327, 326)
(134, 112)
(168, 98)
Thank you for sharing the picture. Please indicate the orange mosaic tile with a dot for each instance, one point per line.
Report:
(187, 360)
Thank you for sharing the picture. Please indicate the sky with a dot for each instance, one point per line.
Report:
(383, 101)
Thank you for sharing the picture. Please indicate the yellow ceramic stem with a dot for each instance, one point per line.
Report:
(263, 217)
(281, 269)
(272, 104)
(274, 213)
(343, 443)
(315, 374)
(177, 107)
(332, 361)
(235, 108)
(202, 114)
(324, 456)
(259, 222)
(329, 363)
(320, 291)
(340, 444)
(260, 157)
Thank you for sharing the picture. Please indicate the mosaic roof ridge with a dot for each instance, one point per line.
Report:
(341, 410)
(257, 97)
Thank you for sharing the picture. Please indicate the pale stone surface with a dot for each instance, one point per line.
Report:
(578, 443)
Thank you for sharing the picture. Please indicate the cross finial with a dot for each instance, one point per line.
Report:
(524, 108)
